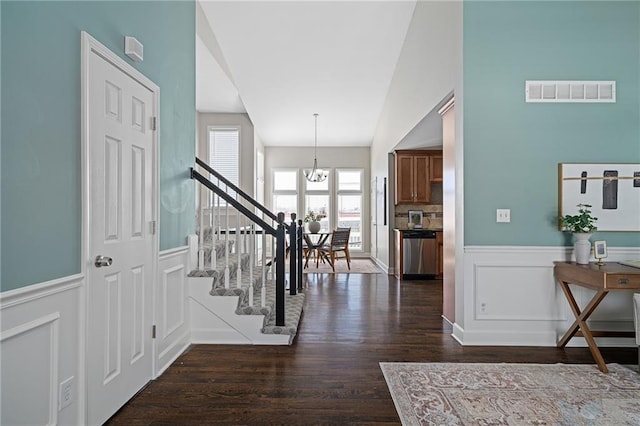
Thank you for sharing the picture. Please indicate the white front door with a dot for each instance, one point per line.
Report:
(120, 149)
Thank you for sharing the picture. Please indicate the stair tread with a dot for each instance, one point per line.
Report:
(293, 304)
(221, 266)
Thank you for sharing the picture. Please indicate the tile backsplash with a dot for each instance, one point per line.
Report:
(431, 215)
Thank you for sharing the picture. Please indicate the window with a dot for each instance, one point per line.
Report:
(338, 200)
(224, 153)
(349, 194)
(285, 192)
(319, 204)
(317, 198)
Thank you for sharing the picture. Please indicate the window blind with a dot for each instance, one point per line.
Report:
(224, 153)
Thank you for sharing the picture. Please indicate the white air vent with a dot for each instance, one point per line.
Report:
(570, 91)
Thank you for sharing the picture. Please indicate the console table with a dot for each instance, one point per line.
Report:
(611, 276)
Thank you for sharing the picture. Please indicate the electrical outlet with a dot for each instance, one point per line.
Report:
(483, 308)
(503, 215)
(66, 393)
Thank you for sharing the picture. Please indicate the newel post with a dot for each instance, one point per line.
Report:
(280, 253)
(293, 251)
(299, 239)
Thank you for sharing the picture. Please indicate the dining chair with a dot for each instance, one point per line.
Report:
(339, 243)
(308, 249)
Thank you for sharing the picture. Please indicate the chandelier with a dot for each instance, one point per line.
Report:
(316, 174)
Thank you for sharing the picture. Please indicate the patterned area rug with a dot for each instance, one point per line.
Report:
(513, 394)
(358, 266)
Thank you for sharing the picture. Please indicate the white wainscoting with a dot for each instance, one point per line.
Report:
(39, 344)
(42, 342)
(173, 334)
(511, 298)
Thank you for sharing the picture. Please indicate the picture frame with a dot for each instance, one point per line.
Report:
(415, 218)
(611, 189)
(600, 251)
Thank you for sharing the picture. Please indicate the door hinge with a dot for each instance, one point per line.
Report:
(154, 123)
(153, 332)
(154, 227)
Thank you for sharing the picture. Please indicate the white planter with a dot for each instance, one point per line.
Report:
(314, 227)
(582, 247)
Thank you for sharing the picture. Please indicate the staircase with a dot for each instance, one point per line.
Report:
(236, 294)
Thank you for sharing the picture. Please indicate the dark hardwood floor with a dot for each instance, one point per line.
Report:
(330, 375)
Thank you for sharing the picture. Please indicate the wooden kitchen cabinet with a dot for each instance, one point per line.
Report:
(435, 168)
(440, 254)
(412, 177)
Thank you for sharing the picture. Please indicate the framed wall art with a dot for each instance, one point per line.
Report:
(415, 218)
(612, 190)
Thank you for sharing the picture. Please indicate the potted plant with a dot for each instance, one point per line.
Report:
(581, 225)
(313, 220)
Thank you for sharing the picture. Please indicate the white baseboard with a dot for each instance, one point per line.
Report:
(385, 268)
(173, 352)
(207, 336)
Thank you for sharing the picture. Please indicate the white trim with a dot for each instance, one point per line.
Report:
(549, 250)
(54, 350)
(172, 345)
(385, 268)
(89, 45)
(166, 273)
(182, 343)
(40, 290)
(177, 251)
(524, 305)
(450, 103)
(29, 326)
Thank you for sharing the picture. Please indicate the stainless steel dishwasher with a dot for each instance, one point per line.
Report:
(419, 254)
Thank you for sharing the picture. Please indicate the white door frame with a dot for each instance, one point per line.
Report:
(89, 45)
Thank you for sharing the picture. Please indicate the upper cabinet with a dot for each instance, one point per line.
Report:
(435, 168)
(415, 171)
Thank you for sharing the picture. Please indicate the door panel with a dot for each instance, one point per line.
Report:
(422, 186)
(405, 179)
(120, 146)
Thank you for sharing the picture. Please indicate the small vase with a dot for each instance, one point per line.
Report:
(314, 227)
(582, 248)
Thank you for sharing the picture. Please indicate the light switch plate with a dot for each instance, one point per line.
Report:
(503, 215)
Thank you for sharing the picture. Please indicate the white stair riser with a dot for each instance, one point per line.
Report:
(214, 319)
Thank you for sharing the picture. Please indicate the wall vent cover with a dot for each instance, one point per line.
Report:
(570, 91)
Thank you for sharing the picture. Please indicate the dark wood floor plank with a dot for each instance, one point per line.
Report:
(331, 374)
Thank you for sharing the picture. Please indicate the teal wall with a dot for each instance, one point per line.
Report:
(511, 148)
(41, 166)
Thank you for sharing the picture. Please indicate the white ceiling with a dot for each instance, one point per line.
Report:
(288, 60)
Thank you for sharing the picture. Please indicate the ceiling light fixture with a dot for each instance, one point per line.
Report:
(316, 174)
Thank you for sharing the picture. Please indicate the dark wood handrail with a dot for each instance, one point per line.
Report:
(243, 194)
(236, 204)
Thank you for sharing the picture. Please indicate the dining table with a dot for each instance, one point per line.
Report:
(314, 242)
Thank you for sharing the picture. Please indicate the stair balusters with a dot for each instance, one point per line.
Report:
(235, 202)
